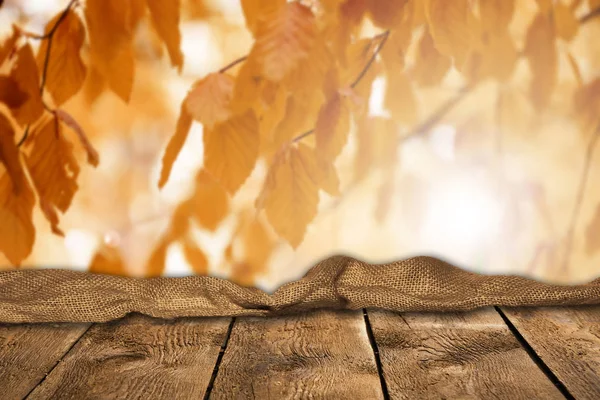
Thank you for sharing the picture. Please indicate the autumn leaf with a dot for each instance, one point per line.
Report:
(327, 178)
(332, 128)
(9, 155)
(195, 257)
(449, 27)
(184, 124)
(386, 13)
(255, 10)
(431, 66)
(291, 200)
(208, 102)
(66, 71)
(541, 53)
(565, 21)
(586, 105)
(93, 157)
(231, 150)
(496, 15)
(165, 17)
(400, 98)
(53, 169)
(592, 234)
(110, 28)
(8, 46)
(17, 232)
(107, 260)
(11, 94)
(283, 38)
(210, 202)
(26, 74)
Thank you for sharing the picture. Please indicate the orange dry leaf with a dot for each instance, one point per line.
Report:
(209, 203)
(184, 123)
(255, 10)
(93, 157)
(195, 256)
(208, 102)
(431, 66)
(10, 93)
(231, 150)
(291, 195)
(283, 38)
(387, 13)
(332, 128)
(541, 53)
(400, 98)
(66, 71)
(53, 169)
(107, 260)
(565, 21)
(496, 15)
(9, 155)
(26, 74)
(111, 26)
(450, 28)
(165, 17)
(17, 232)
(8, 46)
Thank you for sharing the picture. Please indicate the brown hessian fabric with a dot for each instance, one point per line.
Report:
(416, 284)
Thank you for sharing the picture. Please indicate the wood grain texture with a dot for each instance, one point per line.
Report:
(29, 352)
(139, 358)
(567, 339)
(455, 355)
(318, 355)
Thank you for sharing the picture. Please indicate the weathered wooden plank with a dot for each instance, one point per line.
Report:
(567, 339)
(139, 358)
(29, 352)
(321, 354)
(455, 355)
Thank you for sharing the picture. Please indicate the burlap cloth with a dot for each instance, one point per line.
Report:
(416, 284)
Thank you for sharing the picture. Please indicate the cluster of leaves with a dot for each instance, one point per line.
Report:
(290, 104)
(38, 156)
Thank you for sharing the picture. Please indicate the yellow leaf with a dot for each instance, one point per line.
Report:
(108, 261)
(210, 201)
(586, 105)
(256, 10)
(110, 29)
(9, 155)
(400, 98)
(8, 46)
(17, 232)
(545, 6)
(430, 66)
(92, 155)
(541, 53)
(10, 93)
(25, 73)
(231, 150)
(332, 128)
(292, 199)
(328, 178)
(496, 15)
(209, 100)
(565, 21)
(53, 169)
(497, 58)
(248, 85)
(66, 71)
(283, 38)
(155, 266)
(184, 123)
(387, 13)
(450, 28)
(195, 257)
(165, 17)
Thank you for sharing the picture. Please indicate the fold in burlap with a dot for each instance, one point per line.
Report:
(416, 284)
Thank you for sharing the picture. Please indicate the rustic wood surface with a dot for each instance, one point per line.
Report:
(459, 355)
(520, 353)
(138, 358)
(28, 352)
(568, 341)
(322, 354)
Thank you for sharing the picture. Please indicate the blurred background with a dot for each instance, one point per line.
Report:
(492, 187)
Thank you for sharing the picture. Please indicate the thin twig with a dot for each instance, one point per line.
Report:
(233, 64)
(589, 155)
(383, 36)
(589, 16)
(49, 36)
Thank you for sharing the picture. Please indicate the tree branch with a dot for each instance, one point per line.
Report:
(49, 36)
(589, 16)
(233, 64)
(579, 197)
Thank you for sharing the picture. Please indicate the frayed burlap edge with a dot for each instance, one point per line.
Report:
(416, 284)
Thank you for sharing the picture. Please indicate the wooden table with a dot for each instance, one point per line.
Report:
(542, 353)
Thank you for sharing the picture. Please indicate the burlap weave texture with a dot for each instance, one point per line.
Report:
(416, 284)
